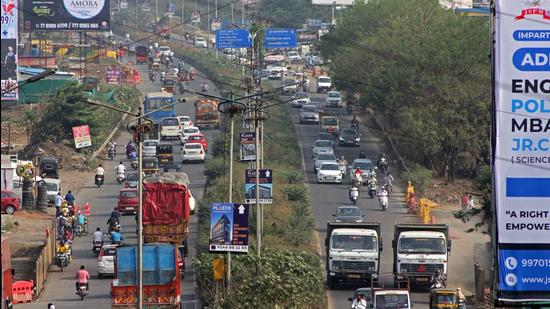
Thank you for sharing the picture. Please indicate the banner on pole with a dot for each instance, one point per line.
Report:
(228, 227)
(265, 186)
(82, 137)
(248, 146)
(9, 36)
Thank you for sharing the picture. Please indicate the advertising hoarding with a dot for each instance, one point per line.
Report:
(248, 146)
(82, 137)
(228, 227)
(522, 149)
(56, 15)
(265, 183)
(9, 37)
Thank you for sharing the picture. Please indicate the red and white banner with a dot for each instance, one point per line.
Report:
(82, 137)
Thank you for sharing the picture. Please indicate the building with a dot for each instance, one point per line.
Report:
(221, 231)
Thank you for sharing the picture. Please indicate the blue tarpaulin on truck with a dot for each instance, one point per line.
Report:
(159, 264)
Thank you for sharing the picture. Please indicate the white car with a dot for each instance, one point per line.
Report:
(201, 42)
(329, 172)
(300, 99)
(165, 51)
(170, 128)
(324, 83)
(323, 158)
(322, 146)
(185, 122)
(150, 147)
(276, 72)
(334, 99)
(289, 85)
(293, 56)
(193, 152)
(106, 261)
(187, 132)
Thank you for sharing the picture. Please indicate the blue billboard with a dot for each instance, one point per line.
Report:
(228, 227)
(233, 38)
(280, 38)
(524, 270)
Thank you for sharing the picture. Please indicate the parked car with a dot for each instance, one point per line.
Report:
(329, 172)
(334, 99)
(165, 51)
(193, 152)
(322, 158)
(53, 186)
(201, 42)
(293, 56)
(128, 201)
(300, 99)
(10, 202)
(170, 128)
(324, 83)
(349, 137)
(348, 214)
(185, 122)
(309, 114)
(106, 261)
(188, 132)
(150, 147)
(322, 146)
(199, 138)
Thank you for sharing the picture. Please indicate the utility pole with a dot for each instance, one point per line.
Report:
(156, 14)
(182, 21)
(140, 216)
(231, 132)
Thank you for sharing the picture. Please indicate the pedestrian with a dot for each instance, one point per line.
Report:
(470, 205)
(58, 201)
(463, 201)
(69, 197)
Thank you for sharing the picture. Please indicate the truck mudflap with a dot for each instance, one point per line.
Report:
(155, 296)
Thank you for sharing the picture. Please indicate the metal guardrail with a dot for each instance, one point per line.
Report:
(45, 259)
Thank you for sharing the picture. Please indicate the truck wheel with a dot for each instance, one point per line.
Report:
(331, 284)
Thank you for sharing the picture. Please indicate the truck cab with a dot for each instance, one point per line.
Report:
(353, 252)
(420, 250)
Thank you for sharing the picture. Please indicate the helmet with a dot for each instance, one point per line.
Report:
(120, 162)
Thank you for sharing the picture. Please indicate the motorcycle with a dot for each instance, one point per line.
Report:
(99, 180)
(181, 88)
(152, 77)
(62, 260)
(353, 195)
(349, 109)
(96, 247)
(383, 201)
(355, 126)
(383, 165)
(120, 177)
(82, 290)
(111, 154)
(373, 187)
(357, 181)
(134, 164)
(114, 226)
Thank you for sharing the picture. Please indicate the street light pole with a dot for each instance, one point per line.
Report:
(182, 21)
(231, 143)
(140, 216)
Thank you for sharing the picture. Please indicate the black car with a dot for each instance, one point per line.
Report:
(349, 137)
(348, 214)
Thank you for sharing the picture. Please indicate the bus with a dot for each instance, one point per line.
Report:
(156, 100)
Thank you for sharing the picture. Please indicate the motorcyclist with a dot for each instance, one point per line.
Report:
(181, 86)
(82, 277)
(99, 172)
(97, 236)
(438, 279)
(64, 248)
(359, 302)
(120, 169)
(115, 213)
(133, 155)
(362, 154)
(342, 161)
(129, 148)
(354, 122)
(81, 220)
(69, 198)
(388, 179)
(116, 238)
(372, 179)
(461, 299)
(353, 192)
(380, 156)
(204, 87)
(383, 196)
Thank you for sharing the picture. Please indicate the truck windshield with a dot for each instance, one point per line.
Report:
(394, 301)
(422, 245)
(353, 242)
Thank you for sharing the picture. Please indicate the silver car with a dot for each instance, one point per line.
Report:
(320, 146)
(309, 114)
(150, 147)
(322, 158)
(365, 165)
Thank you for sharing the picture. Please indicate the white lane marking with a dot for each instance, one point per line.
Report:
(303, 162)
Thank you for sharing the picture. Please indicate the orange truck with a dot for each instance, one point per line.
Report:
(207, 113)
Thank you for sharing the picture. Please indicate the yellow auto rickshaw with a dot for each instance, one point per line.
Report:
(443, 299)
(150, 165)
(165, 154)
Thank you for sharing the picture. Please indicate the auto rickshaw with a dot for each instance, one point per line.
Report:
(165, 154)
(150, 165)
(49, 167)
(443, 299)
(169, 84)
(156, 65)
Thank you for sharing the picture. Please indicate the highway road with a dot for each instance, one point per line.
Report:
(325, 198)
(60, 286)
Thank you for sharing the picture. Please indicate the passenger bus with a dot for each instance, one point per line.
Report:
(156, 100)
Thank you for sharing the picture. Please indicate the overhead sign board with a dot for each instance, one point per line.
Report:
(9, 36)
(228, 227)
(233, 38)
(248, 146)
(56, 15)
(265, 184)
(82, 137)
(522, 149)
(280, 38)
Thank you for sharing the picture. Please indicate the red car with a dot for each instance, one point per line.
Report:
(199, 138)
(10, 202)
(128, 201)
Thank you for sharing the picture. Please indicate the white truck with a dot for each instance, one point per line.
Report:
(352, 252)
(419, 250)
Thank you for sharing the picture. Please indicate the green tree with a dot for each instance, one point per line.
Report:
(291, 14)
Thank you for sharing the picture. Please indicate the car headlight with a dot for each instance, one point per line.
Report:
(357, 139)
(341, 138)
(335, 265)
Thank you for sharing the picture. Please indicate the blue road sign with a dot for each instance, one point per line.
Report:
(233, 38)
(280, 38)
(228, 227)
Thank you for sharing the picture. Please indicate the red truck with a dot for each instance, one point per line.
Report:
(161, 277)
(166, 208)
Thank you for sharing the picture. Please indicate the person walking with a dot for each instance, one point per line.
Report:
(57, 203)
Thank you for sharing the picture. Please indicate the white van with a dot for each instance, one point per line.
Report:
(170, 128)
(52, 187)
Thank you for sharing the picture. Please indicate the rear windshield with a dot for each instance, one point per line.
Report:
(195, 138)
(334, 94)
(191, 130)
(324, 80)
(132, 177)
(51, 187)
(310, 108)
(128, 194)
(330, 121)
(301, 95)
(193, 146)
(109, 251)
(184, 119)
(150, 143)
(170, 122)
(323, 144)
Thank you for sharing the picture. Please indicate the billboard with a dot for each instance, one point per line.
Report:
(521, 163)
(228, 227)
(82, 137)
(9, 49)
(248, 146)
(56, 15)
(265, 186)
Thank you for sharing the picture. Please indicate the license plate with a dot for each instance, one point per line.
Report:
(422, 279)
(353, 276)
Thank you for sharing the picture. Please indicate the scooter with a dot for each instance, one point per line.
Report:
(383, 201)
(343, 166)
(99, 180)
(120, 177)
(389, 188)
(111, 154)
(82, 290)
(372, 189)
(96, 247)
(353, 195)
(383, 165)
(62, 260)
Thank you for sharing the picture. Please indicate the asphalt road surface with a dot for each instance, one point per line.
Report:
(325, 198)
(60, 286)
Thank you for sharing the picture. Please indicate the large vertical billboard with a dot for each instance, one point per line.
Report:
(8, 50)
(56, 15)
(522, 149)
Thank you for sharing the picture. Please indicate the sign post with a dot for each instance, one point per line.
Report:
(521, 177)
(265, 186)
(233, 38)
(248, 146)
(229, 227)
(280, 38)
(82, 137)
